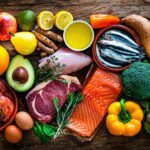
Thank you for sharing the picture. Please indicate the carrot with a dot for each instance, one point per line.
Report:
(50, 34)
(45, 40)
(102, 21)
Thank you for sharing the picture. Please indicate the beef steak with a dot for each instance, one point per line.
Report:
(40, 99)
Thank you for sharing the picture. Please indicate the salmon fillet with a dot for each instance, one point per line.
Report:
(102, 89)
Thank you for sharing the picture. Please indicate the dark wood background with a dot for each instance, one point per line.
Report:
(81, 9)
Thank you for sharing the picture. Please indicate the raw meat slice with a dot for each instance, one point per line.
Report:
(40, 99)
(102, 89)
(73, 61)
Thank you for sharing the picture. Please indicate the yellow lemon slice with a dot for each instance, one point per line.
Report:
(45, 20)
(62, 19)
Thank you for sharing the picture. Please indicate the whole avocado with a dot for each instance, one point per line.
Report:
(26, 20)
(136, 81)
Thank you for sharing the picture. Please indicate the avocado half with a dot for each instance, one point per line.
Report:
(20, 61)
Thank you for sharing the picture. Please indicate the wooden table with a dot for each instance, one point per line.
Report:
(81, 9)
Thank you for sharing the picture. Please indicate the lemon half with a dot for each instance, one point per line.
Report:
(45, 20)
(62, 19)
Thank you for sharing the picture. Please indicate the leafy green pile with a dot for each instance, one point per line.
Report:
(146, 106)
(45, 131)
(136, 81)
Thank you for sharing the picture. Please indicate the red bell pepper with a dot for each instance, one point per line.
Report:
(102, 21)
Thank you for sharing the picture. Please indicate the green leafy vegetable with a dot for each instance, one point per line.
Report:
(45, 73)
(147, 127)
(45, 132)
(146, 106)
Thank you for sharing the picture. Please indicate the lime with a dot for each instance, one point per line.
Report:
(45, 20)
(62, 19)
(26, 20)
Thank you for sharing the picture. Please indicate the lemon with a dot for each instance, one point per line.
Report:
(45, 20)
(62, 19)
(4, 60)
(24, 42)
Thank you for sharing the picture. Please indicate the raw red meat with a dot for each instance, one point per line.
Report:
(40, 99)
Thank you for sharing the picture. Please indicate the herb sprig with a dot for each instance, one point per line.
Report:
(46, 132)
(146, 106)
(46, 72)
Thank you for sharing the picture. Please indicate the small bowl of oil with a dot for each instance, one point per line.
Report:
(78, 35)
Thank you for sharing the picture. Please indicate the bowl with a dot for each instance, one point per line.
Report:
(120, 27)
(78, 35)
(15, 100)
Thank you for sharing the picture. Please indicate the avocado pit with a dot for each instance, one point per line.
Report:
(20, 75)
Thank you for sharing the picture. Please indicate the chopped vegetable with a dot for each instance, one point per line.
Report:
(136, 81)
(142, 26)
(124, 118)
(45, 132)
(102, 21)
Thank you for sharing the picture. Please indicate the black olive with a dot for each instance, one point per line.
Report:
(20, 75)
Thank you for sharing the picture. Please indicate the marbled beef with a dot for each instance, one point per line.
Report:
(40, 99)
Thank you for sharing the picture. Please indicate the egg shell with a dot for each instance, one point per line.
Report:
(13, 134)
(24, 121)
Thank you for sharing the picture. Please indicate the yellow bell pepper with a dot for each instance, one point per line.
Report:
(124, 118)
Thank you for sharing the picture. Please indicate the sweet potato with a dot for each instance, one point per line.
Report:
(142, 26)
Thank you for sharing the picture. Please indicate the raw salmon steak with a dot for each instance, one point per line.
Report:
(102, 89)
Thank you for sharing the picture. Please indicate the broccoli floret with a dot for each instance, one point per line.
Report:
(136, 81)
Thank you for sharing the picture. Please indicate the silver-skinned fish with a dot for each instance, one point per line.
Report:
(121, 37)
(118, 45)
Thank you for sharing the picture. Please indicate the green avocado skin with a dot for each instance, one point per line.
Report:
(20, 61)
(26, 20)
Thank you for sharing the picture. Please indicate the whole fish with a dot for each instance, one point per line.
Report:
(113, 55)
(118, 50)
(105, 62)
(121, 37)
(138, 57)
(118, 45)
(113, 61)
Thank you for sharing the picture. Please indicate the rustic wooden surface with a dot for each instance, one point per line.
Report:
(81, 9)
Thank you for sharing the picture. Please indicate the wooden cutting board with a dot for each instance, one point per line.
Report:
(81, 9)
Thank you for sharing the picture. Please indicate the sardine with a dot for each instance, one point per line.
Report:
(121, 37)
(118, 45)
(118, 50)
(113, 55)
(113, 61)
(103, 61)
